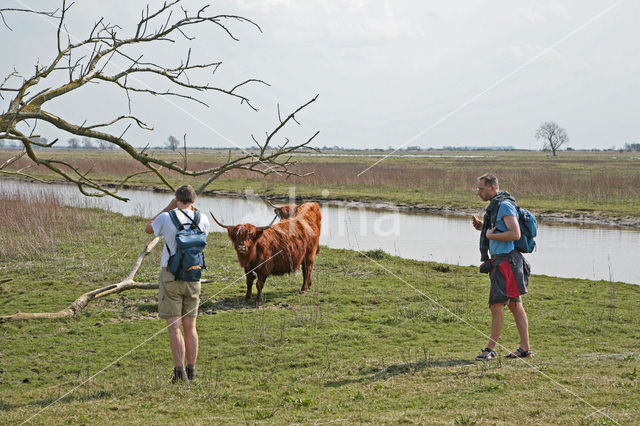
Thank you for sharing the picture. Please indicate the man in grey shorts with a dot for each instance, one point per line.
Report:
(178, 301)
(508, 269)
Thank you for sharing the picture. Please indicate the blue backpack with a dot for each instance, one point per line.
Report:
(187, 263)
(528, 231)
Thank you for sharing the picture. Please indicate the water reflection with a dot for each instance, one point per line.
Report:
(564, 251)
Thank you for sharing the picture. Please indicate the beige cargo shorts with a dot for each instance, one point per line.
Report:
(177, 298)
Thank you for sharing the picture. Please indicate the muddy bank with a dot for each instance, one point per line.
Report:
(582, 219)
(600, 219)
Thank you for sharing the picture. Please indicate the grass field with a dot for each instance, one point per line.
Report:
(378, 339)
(574, 183)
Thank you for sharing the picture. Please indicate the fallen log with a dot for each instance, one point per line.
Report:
(81, 302)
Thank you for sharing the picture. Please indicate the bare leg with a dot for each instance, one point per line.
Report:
(497, 321)
(190, 339)
(522, 323)
(176, 341)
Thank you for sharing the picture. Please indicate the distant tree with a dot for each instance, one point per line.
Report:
(632, 146)
(552, 135)
(1, 143)
(87, 143)
(104, 144)
(73, 143)
(172, 143)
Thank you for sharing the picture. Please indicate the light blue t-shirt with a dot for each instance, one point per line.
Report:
(503, 247)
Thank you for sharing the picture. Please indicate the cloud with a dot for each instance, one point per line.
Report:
(542, 13)
(349, 21)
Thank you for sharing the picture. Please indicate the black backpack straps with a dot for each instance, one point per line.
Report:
(195, 221)
(174, 219)
(176, 223)
(500, 198)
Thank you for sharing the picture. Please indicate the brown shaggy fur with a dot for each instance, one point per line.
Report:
(279, 249)
(311, 211)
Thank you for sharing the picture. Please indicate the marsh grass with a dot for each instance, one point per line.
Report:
(575, 182)
(361, 347)
(33, 223)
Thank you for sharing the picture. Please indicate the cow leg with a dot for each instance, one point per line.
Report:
(250, 277)
(307, 268)
(259, 286)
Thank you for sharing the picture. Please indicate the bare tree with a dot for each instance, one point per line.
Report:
(85, 61)
(552, 135)
(104, 145)
(87, 143)
(173, 143)
(73, 143)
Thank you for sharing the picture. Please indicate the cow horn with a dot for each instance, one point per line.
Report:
(270, 203)
(262, 228)
(214, 218)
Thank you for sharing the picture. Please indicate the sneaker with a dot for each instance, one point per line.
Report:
(191, 372)
(178, 375)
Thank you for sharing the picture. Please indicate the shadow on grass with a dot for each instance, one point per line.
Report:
(148, 308)
(43, 403)
(273, 300)
(404, 368)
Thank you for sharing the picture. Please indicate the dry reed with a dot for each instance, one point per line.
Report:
(582, 178)
(33, 223)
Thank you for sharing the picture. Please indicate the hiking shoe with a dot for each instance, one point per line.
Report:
(179, 375)
(191, 372)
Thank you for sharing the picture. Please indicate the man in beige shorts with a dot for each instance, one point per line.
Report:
(178, 301)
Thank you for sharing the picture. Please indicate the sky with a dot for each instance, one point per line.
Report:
(392, 73)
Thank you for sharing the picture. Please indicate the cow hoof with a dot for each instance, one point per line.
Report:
(303, 292)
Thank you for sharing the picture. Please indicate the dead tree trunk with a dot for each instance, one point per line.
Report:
(81, 302)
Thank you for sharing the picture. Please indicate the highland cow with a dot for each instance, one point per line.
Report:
(276, 249)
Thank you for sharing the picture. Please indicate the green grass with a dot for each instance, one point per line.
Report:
(574, 183)
(364, 346)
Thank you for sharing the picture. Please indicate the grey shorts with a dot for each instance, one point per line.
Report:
(509, 278)
(177, 298)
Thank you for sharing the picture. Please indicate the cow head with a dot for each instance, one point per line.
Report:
(243, 236)
(286, 212)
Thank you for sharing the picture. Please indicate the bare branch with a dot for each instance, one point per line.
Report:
(139, 122)
(85, 61)
(12, 160)
(35, 12)
(81, 302)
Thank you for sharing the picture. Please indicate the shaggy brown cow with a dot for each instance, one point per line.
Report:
(276, 249)
(310, 211)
